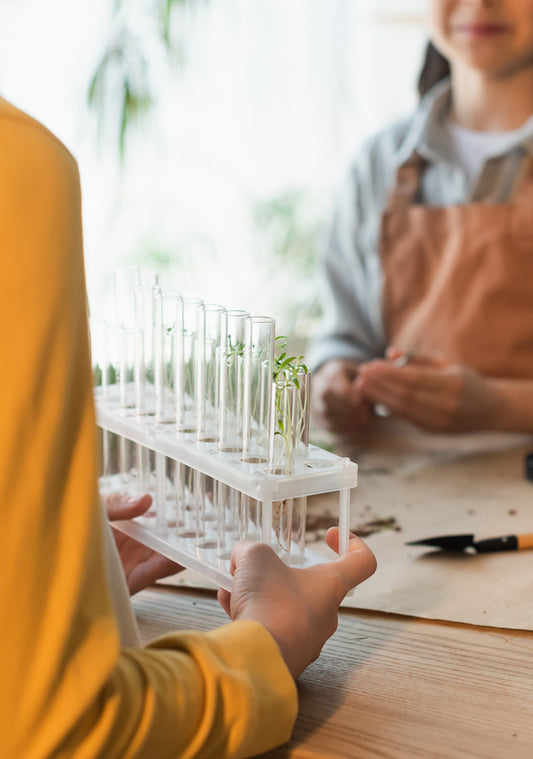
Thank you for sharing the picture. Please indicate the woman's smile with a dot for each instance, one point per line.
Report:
(480, 29)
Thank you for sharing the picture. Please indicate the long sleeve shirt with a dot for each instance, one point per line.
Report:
(68, 689)
(352, 281)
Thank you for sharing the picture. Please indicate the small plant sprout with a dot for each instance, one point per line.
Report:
(290, 409)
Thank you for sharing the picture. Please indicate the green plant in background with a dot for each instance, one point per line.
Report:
(293, 236)
(98, 375)
(121, 85)
(289, 228)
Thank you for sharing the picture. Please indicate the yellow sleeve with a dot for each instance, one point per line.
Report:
(67, 690)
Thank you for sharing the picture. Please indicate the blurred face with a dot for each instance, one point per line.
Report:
(494, 37)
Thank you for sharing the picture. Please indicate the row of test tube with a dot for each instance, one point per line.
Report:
(208, 372)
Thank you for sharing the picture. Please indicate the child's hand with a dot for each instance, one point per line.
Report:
(297, 606)
(142, 566)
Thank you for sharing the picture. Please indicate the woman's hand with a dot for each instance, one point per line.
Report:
(431, 394)
(337, 404)
(297, 606)
(142, 566)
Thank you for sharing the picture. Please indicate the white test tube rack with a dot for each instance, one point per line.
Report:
(211, 485)
(320, 472)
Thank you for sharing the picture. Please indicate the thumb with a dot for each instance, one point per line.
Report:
(355, 566)
(120, 506)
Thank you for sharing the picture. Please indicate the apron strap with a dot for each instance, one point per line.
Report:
(408, 178)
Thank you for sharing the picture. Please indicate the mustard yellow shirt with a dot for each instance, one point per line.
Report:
(67, 689)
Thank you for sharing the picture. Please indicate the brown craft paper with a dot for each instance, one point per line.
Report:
(416, 485)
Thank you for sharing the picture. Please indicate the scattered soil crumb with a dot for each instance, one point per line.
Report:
(318, 524)
(512, 512)
(471, 511)
(376, 525)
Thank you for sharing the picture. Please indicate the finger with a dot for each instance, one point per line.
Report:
(340, 398)
(332, 538)
(120, 506)
(348, 570)
(238, 553)
(412, 383)
(415, 357)
(224, 599)
(393, 353)
(424, 409)
(430, 377)
(155, 568)
(356, 566)
(397, 401)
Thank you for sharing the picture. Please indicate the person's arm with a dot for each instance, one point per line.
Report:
(352, 331)
(67, 687)
(350, 280)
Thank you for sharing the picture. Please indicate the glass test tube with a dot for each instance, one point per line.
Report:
(98, 334)
(190, 511)
(258, 370)
(127, 341)
(288, 528)
(289, 442)
(161, 494)
(168, 316)
(282, 514)
(144, 357)
(208, 515)
(125, 280)
(283, 420)
(250, 520)
(208, 411)
(129, 454)
(188, 351)
(228, 502)
(289, 421)
(297, 538)
(302, 407)
(99, 338)
(209, 373)
(232, 380)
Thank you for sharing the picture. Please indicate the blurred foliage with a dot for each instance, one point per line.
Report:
(293, 232)
(290, 228)
(287, 227)
(120, 88)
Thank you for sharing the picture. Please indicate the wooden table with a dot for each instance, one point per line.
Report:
(391, 686)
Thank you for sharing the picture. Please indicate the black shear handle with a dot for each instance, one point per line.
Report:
(504, 543)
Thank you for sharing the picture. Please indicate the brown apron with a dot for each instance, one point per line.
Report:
(458, 280)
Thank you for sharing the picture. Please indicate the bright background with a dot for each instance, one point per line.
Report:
(227, 185)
